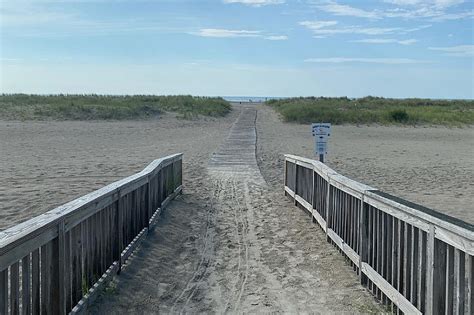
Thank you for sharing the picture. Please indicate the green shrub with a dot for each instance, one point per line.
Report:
(399, 116)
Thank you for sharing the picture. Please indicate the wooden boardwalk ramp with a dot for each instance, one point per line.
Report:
(232, 244)
(237, 154)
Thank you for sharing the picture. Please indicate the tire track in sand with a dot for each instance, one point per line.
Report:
(190, 288)
(244, 276)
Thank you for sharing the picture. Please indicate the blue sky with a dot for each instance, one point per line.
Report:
(391, 48)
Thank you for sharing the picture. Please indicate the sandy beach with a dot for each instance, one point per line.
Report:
(431, 166)
(231, 243)
(45, 164)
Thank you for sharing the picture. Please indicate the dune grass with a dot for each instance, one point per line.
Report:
(375, 110)
(106, 107)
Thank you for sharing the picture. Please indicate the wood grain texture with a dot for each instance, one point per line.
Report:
(46, 260)
(459, 282)
(15, 289)
(35, 282)
(25, 285)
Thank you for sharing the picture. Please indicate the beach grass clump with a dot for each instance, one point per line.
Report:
(107, 107)
(398, 115)
(375, 110)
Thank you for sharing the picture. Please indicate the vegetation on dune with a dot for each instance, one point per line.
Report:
(89, 107)
(369, 110)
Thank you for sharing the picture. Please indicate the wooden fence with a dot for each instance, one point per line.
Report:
(413, 259)
(56, 263)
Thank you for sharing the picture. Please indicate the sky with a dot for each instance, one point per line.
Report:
(389, 48)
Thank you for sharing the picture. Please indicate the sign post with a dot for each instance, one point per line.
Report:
(321, 133)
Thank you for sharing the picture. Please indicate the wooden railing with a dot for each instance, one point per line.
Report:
(414, 259)
(56, 263)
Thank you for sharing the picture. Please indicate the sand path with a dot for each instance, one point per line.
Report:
(235, 245)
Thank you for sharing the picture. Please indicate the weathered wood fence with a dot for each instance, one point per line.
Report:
(414, 259)
(55, 263)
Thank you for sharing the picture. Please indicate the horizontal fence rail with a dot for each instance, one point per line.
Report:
(56, 262)
(413, 259)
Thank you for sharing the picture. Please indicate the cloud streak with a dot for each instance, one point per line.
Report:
(326, 28)
(385, 41)
(346, 10)
(433, 10)
(456, 51)
(255, 3)
(436, 3)
(276, 37)
(226, 33)
(388, 61)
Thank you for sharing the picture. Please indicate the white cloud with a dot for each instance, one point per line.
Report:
(375, 41)
(437, 3)
(323, 28)
(431, 13)
(407, 41)
(276, 37)
(346, 10)
(256, 3)
(434, 10)
(456, 51)
(224, 33)
(390, 61)
(359, 30)
(385, 41)
(316, 25)
(404, 2)
(453, 16)
(416, 29)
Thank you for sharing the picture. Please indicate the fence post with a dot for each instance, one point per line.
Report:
(149, 210)
(430, 270)
(296, 183)
(313, 196)
(162, 186)
(328, 208)
(181, 173)
(62, 268)
(119, 231)
(363, 240)
(172, 178)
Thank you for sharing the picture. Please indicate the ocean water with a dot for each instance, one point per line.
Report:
(250, 99)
